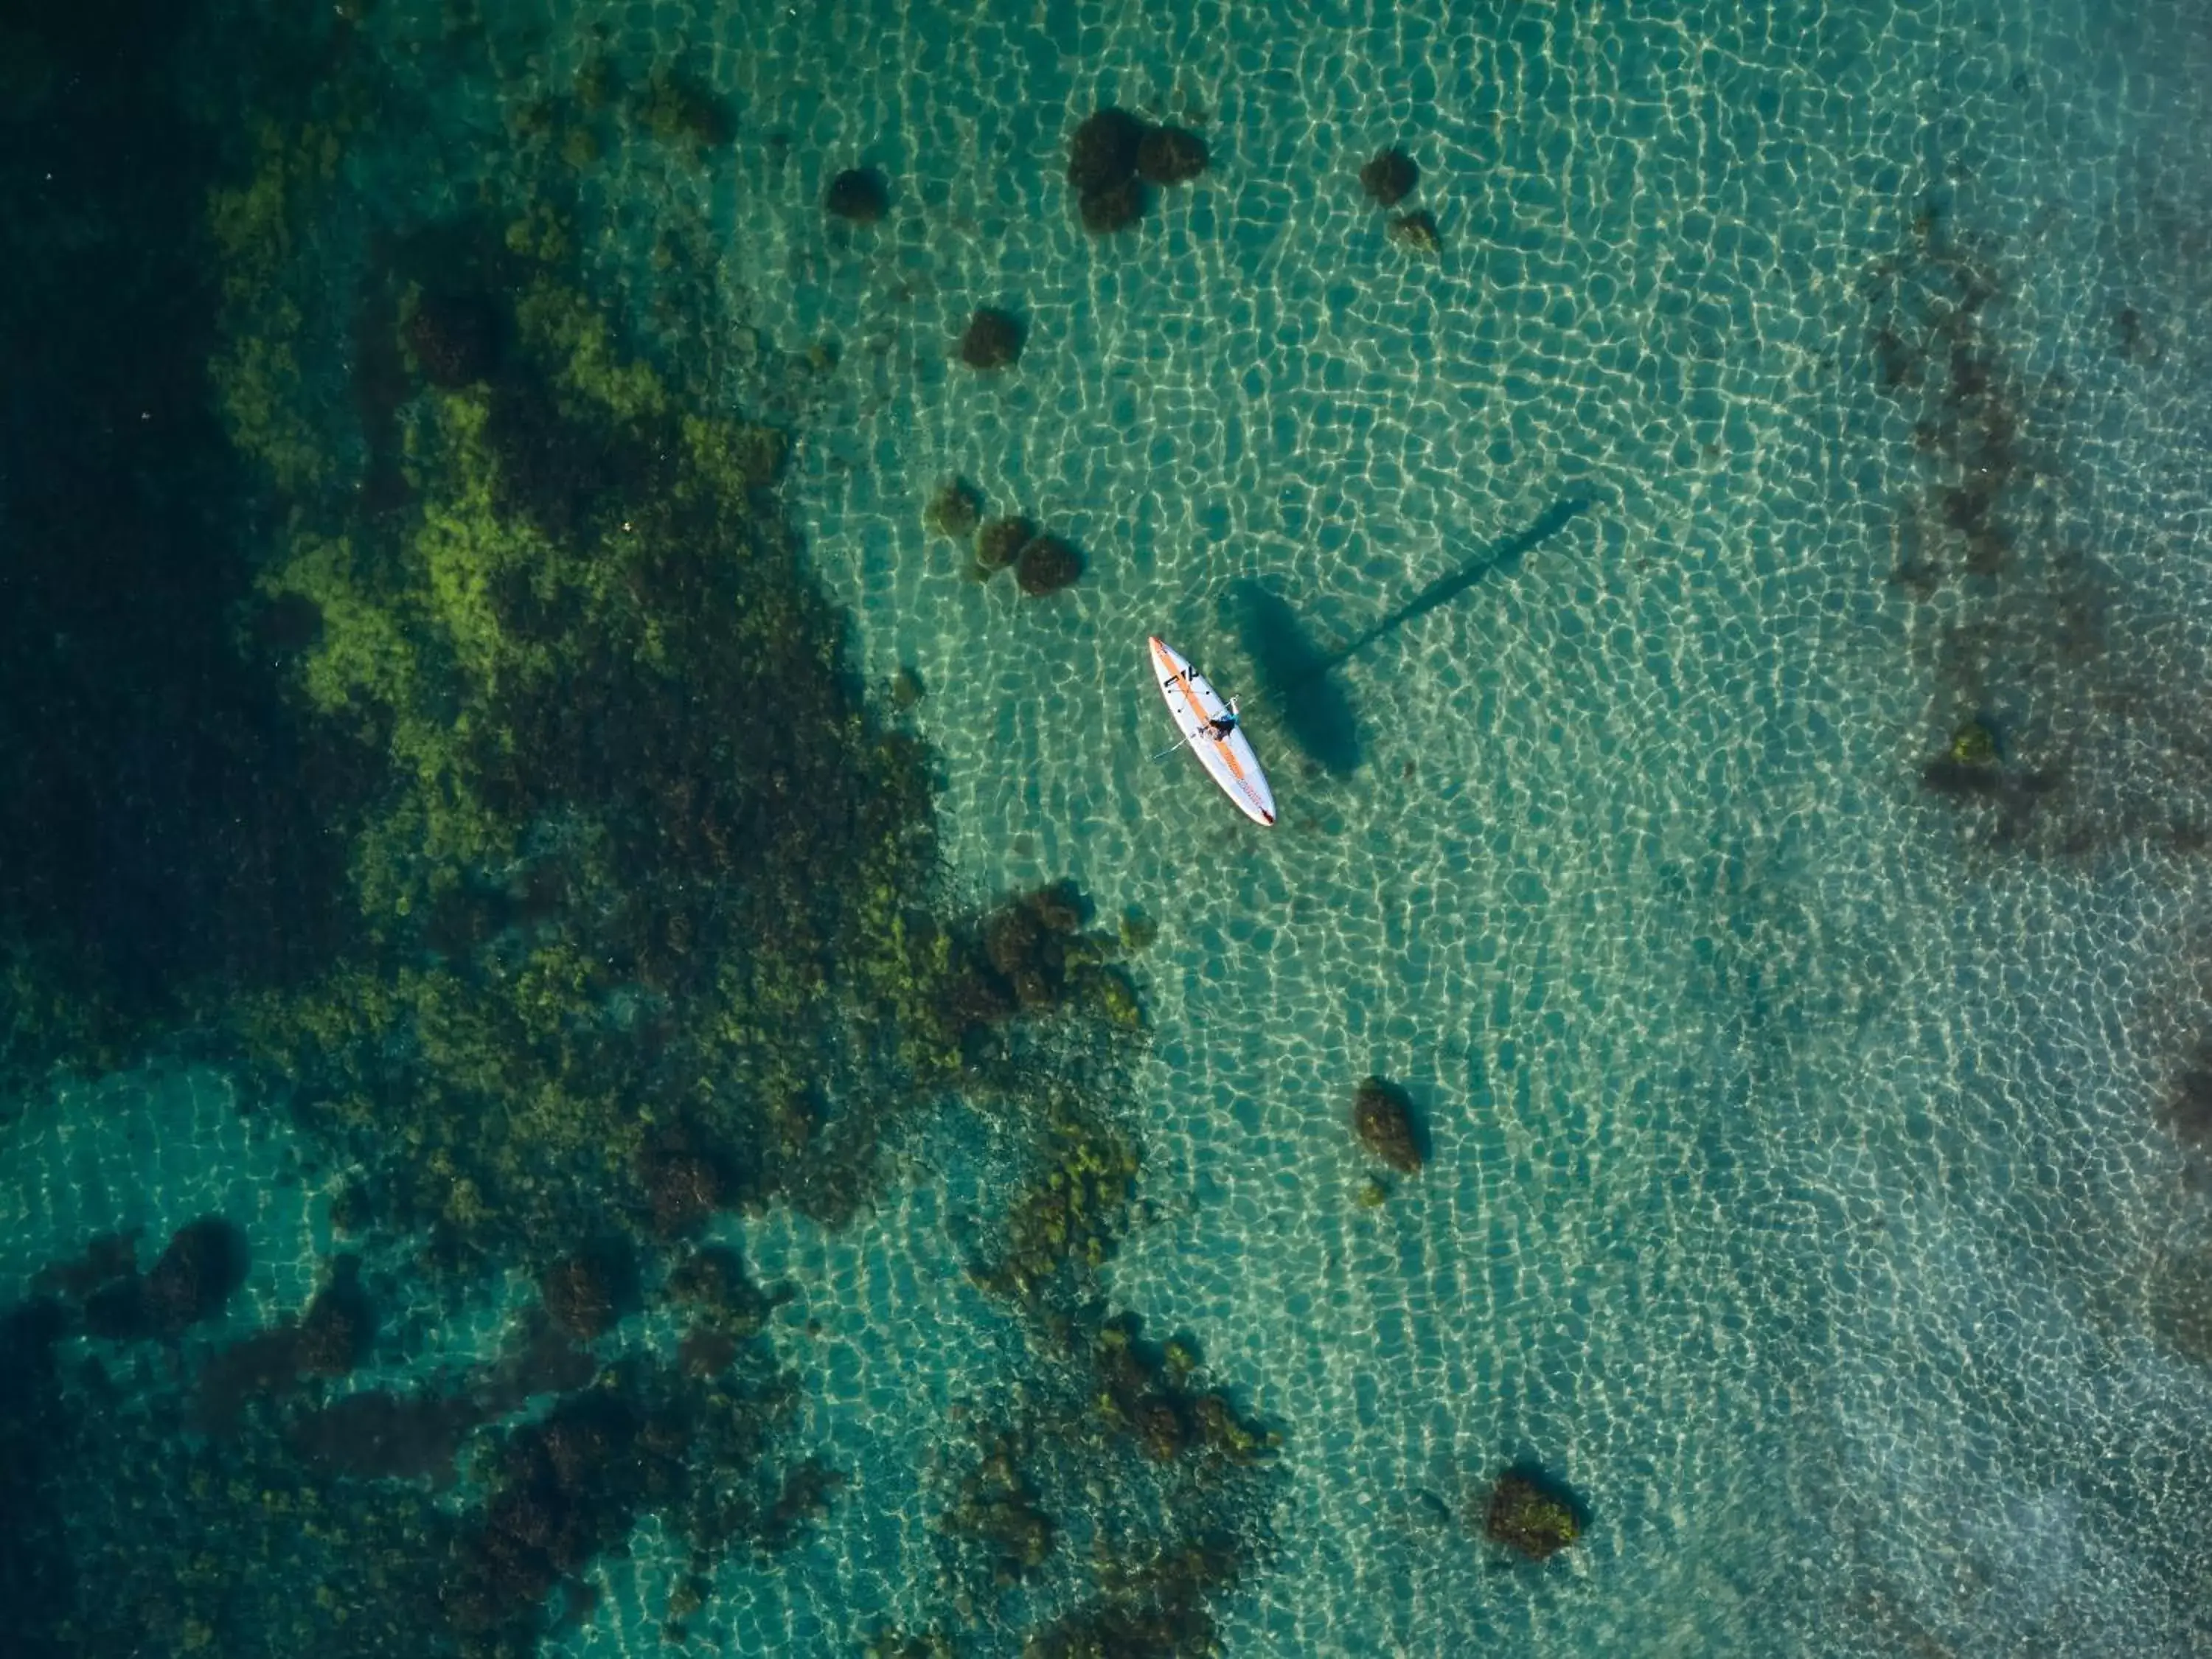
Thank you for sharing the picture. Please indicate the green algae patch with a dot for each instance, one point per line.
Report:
(640, 841)
(262, 229)
(651, 925)
(643, 863)
(1073, 1209)
(1112, 1418)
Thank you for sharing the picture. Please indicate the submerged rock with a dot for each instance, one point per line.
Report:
(1382, 1118)
(204, 1262)
(1417, 232)
(1974, 745)
(679, 109)
(1389, 178)
(1171, 155)
(1524, 1515)
(586, 1293)
(955, 510)
(1001, 543)
(1116, 207)
(1047, 565)
(335, 1333)
(859, 196)
(1104, 149)
(994, 340)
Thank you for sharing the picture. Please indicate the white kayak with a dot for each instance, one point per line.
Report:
(1195, 705)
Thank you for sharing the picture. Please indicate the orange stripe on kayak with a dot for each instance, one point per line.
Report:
(1182, 677)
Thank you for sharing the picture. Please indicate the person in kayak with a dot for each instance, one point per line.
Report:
(1222, 724)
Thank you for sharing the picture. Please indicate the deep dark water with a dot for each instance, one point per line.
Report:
(158, 826)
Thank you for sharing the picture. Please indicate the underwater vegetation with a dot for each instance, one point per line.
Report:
(1174, 1484)
(1045, 565)
(1041, 563)
(1000, 543)
(1530, 1514)
(995, 1508)
(193, 1278)
(681, 111)
(2188, 1102)
(1416, 233)
(1069, 1215)
(1382, 1118)
(609, 904)
(1109, 1424)
(955, 510)
(2088, 748)
(619, 739)
(334, 1500)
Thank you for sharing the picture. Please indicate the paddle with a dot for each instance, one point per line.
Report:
(1180, 742)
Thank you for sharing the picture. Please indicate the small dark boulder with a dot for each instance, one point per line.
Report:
(994, 340)
(1382, 1117)
(1115, 207)
(1047, 565)
(955, 510)
(1416, 232)
(1527, 1514)
(1001, 543)
(1104, 149)
(679, 109)
(1389, 178)
(859, 196)
(1975, 744)
(1171, 155)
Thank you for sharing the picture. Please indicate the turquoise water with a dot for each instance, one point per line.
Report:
(1799, 1193)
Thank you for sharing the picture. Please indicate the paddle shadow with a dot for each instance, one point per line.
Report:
(1293, 669)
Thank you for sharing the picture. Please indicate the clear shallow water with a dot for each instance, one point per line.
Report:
(1797, 1191)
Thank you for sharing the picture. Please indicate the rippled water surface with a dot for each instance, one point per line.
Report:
(1799, 385)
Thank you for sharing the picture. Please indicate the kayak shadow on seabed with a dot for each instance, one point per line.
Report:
(1296, 673)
